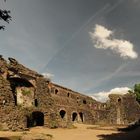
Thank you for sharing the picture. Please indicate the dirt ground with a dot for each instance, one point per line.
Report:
(82, 132)
(79, 133)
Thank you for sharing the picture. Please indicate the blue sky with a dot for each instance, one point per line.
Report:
(53, 36)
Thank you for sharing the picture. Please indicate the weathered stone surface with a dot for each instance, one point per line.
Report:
(28, 99)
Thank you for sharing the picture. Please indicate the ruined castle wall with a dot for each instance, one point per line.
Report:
(122, 109)
(28, 99)
(80, 99)
(42, 93)
(131, 109)
(6, 95)
(72, 104)
(20, 69)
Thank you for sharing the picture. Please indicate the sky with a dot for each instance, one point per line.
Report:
(90, 46)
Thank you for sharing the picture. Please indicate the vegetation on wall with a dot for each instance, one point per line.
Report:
(26, 92)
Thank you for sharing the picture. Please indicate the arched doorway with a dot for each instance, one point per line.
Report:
(81, 116)
(74, 116)
(62, 113)
(37, 118)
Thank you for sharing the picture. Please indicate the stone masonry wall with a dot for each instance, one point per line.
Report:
(52, 105)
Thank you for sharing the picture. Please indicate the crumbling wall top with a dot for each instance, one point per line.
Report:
(16, 67)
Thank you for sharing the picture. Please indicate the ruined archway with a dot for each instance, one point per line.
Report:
(21, 87)
(74, 116)
(37, 118)
(81, 115)
(62, 113)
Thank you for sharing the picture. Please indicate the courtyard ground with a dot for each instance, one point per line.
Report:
(82, 132)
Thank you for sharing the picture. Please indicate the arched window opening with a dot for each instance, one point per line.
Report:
(74, 116)
(84, 101)
(68, 94)
(62, 113)
(56, 91)
(119, 100)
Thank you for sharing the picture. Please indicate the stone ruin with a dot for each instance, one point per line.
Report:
(27, 99)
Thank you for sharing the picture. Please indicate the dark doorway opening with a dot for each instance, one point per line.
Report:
(74, 116)
(62, 113)
(81, 116)
(37, 118)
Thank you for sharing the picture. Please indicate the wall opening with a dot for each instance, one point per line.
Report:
(37, 118)
(62, 113)
(68, 94)
(15, 99)
(16, 82)
(84, 101)
(56, 91)
(119, 100)
(36, 102)
(81, 116)
(74, 116)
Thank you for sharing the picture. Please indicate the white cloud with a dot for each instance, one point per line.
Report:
(48, 76)
(103, 39)
(103, 96)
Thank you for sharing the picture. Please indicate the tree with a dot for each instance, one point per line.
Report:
(137, 92)
(4, 16)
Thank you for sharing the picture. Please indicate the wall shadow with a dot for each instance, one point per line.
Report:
(128, 133)
(11, 138)
(3, 138)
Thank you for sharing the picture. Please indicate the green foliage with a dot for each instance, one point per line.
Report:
(137, 92)
(137, 88)
(26, 92)
(130, 92)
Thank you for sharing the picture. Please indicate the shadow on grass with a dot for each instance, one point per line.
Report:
(131, 132)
